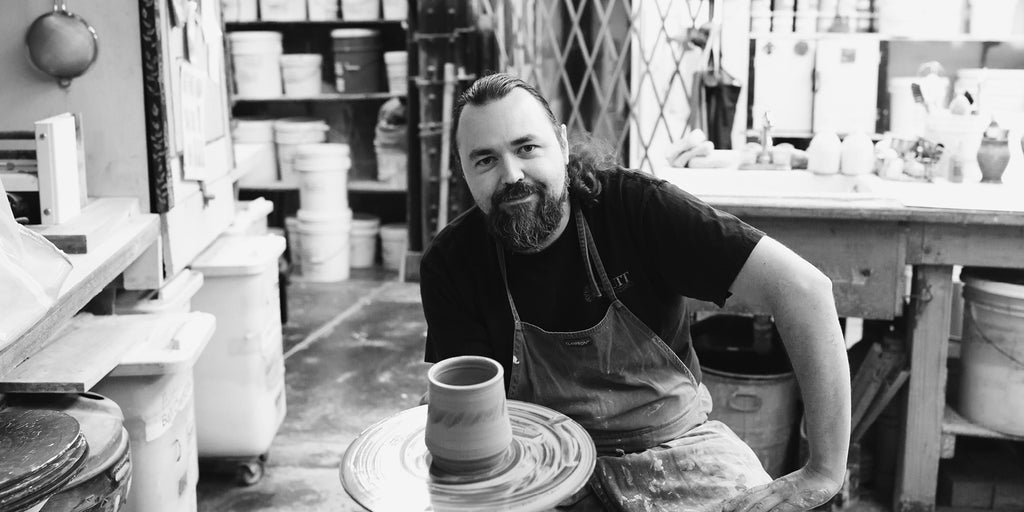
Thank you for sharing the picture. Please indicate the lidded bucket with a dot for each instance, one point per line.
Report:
(289, 134)
(992, 349)
(323, 176)
(358, 61)
(301, 74)
(255, 57)
(394, 239)
(324, 245)
(363, 240)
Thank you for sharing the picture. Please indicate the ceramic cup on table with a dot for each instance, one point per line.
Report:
(468, 427)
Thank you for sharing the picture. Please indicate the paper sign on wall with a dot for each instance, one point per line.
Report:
(193, 82)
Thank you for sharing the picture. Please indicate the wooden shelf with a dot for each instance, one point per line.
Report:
(353, 186)
(795, 134)
(254, 25)
(325, 97)
(373, 186)
(90, 273)
(955, 424)
(873, 36)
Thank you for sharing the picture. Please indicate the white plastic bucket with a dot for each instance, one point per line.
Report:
(154, 386)
(323, 177)
(363, 240)
(240, 376)
(394, 239)
(238, 10)
(396, 9)
(258, 131)
(323, 10)
(301, 74)
(323, 246)
(392, 166)
(963, 132)
(282, 10)
(360, 10)
(255, 56)
(289, 134)
(992, 355)
(920, 17)
(397, 64)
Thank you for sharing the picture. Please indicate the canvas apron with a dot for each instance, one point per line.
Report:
(639, 402)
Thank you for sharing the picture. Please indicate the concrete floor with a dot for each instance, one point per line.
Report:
(353, 355)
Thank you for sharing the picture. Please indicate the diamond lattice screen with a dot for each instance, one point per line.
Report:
(618, 69)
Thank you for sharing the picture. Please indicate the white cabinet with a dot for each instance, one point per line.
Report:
(784, 83)
(812, 84)
(846, 85)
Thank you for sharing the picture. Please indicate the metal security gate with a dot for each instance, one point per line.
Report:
(621, 70)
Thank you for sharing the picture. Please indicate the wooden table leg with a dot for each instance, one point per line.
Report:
(928, 338)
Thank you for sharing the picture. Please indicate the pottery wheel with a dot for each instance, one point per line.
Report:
(388, 466)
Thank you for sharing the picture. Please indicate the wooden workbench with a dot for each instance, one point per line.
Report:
(865, 247)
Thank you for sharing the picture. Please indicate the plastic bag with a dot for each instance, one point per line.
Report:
(32, 271)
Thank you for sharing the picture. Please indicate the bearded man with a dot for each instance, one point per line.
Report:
(572, 272)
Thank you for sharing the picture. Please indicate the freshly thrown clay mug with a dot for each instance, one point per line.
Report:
(468, 427)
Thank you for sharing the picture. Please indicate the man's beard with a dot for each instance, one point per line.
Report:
(525, 226)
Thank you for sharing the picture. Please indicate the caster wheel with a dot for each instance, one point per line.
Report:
(249, 473)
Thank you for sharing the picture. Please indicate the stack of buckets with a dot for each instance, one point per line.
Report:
(290, 133)
(324, 218)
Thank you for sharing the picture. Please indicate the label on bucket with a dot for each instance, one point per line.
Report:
(172, 403)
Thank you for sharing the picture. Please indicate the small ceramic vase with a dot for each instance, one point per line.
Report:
(993, 156)
(468, 427)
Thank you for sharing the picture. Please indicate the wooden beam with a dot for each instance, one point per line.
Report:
(917, 467)
(80, 355)
(91, 226)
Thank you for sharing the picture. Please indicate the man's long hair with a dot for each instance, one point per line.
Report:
(587, 155)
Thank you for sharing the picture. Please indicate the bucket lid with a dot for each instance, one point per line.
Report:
(254, 35)
(311, 216)
(254, 121)
(343, 33)
(294, 124)
(301, 59)
(328, 149)
(365, 221)
(178, 290)
(396, 57)
(239, 255)
(43, 450)
(174, 345)
(395, 230)
(100, 419)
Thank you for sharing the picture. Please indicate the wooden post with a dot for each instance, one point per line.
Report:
(928, 316)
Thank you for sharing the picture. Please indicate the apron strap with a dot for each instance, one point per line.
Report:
(581, 237)
(504, 279)
(606, 284)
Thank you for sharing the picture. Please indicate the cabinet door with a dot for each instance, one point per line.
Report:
(846, 88)
(783, 81)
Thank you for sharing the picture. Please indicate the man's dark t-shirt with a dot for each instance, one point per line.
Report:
(657, 242)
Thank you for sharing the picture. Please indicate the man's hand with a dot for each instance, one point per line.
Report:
(801, 490)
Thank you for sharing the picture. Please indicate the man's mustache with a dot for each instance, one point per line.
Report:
(517, 190)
